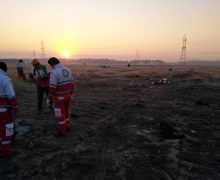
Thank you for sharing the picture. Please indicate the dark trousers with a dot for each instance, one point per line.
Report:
(21, 74)
(40, 95)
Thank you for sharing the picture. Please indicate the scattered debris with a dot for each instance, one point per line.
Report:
(160, 81)
(21, 127)
(131, 83)
(121, 129)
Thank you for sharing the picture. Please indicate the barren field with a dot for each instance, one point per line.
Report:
(128, 123)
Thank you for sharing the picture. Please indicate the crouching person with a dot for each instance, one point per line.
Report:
(61, 89)
(8, 107)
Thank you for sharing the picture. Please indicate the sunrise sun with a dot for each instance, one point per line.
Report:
(66, 53)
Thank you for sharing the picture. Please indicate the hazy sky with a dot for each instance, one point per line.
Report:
(110, 28)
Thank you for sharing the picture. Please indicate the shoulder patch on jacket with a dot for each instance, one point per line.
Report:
(65, 73)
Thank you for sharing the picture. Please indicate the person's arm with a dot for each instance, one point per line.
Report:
(10, 94)
(31, 77)
(72, 84)
(53, 84)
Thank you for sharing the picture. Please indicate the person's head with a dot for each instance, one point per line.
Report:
(35, 62)
(20, 61)
(3, 66)
(53, 61)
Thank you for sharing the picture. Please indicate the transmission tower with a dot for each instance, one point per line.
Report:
(42, 50)
(34, 54)
(183, 53)
(137, 55)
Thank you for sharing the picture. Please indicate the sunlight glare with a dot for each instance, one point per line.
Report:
(66, 53)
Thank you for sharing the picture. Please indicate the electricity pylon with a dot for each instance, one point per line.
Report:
(137, 55)
(183, 53)
(34, 54)
(42, 50)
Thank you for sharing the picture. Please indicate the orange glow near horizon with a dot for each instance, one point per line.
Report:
(110, 29)
(65, 50)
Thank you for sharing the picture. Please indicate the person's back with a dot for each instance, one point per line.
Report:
(3, 79)
(20, 64)
(62, 78)
(6, 91)
(20, 67)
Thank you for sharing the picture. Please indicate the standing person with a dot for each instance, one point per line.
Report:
(8, 107)
(40, 76)
(61, 89)
(20, 69)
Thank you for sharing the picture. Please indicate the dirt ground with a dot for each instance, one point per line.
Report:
(128, 123)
